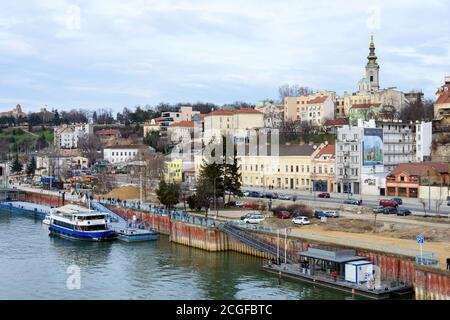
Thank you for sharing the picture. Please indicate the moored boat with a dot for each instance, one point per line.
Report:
(74, 222)
(136, 235)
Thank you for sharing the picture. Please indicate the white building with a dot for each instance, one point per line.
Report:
(181, 131)
(67, 136)
(405, 142)
(123, 154)
(57, 165)
(4, 172)
(359, 160)
(273, 114)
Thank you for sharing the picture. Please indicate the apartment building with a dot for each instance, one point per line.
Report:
(289, 169)
(122, 154)
(315, 108)
(234, 122)
(323, 166)
(67, 136)
(181, 131)
(442, 104)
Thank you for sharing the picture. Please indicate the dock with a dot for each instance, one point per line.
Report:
(294, 271)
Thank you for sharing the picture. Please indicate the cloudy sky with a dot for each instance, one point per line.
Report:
(111, 53)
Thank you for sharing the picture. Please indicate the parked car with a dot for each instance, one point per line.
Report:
(247, 215)
(389, 210)
(448, 203)
(255, 194)
(239, 204)
(270, 195)
(324, 195)
(231, 204)
(245, 193)
(388, 203)
(301, 220)
(249, 205)
(254, 218)
(285, 197)
(353, 201)
(403, 212)
(378, 209)
(282, 214)
(399, 201)
(332, 213)
(319, 214)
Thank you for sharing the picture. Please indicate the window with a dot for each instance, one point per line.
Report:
(292, 168)
(296, 168)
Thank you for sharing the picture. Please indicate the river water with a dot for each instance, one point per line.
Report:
(38, 266)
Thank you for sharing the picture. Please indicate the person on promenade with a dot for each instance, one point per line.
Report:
(448, 263)
(334, 275)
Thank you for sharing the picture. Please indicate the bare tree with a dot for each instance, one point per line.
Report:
(90, 147)
(294, 90)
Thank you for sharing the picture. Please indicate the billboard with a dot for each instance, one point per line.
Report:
(373, 147)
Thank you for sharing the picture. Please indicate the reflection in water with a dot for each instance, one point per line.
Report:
(34, 266)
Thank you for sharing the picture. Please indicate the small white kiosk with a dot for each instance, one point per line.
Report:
(358, 272)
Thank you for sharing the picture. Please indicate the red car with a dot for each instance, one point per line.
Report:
(282, 214)
(388, 203)
(249, 206)
(324, 195)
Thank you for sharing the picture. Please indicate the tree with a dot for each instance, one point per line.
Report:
(168, 193)
(210, 183)
(16, 165)
(294, 90)
(31, 168)
(232, 175)
(90, 146)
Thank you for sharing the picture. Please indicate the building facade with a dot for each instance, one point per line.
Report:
(67, 136)
(442, 104)
(323, 166)
(122, 154)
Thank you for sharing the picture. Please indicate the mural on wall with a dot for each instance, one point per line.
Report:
(373, 147)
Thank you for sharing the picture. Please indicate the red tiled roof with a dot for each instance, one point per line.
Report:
(335, 122)
(182, 124)
(419, 169)
(231, 112)
(444, 97)
(328, 149)
(318, 100)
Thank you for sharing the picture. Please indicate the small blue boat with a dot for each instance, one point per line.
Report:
(136, 235)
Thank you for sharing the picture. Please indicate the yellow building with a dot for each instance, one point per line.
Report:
(173, 171)
(290, 169)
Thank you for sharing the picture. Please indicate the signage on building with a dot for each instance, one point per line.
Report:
(373, 147)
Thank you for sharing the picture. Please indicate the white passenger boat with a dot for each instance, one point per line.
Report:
(75, 222)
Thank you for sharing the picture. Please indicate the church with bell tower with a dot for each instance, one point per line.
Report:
(372, 68)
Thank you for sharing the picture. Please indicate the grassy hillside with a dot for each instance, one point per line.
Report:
(16, 138)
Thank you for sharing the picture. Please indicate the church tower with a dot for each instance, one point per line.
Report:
(372, 68)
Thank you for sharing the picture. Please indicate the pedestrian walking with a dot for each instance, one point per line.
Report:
(448, 263)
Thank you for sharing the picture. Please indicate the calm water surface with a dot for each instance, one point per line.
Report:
(34, 266)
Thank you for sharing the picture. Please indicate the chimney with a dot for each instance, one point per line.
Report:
(447, 80)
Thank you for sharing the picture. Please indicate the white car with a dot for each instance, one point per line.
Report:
(301, 220)
(332, 213)
(254, 218)
(240, 203)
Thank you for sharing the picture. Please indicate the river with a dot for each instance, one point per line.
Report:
(38, 266)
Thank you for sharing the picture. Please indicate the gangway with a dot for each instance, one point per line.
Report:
(249, 239)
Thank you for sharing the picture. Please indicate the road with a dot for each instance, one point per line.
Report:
(368, 201)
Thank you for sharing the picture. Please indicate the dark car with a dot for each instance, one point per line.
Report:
(231, 204)
(282, 214)
(388, 203)
(389, 210)
(353, 201)
(319, 214)
(403, 212)
(324, 195)
(399, 201)
(270, 195)
(255, 194)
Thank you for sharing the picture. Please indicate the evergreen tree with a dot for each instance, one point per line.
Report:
(168, 193)
(16, 165)
(94, 117)
(233, 176)
(210, 182)
(31, 168)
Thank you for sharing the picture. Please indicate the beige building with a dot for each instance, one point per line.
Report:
(442, 104)
(290, 169)
(295, 107)
(273, 114)
(235, 122)
(181, 131)
(16, 112)
(323, 163)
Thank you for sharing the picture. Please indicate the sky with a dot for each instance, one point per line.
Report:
(112, 54)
